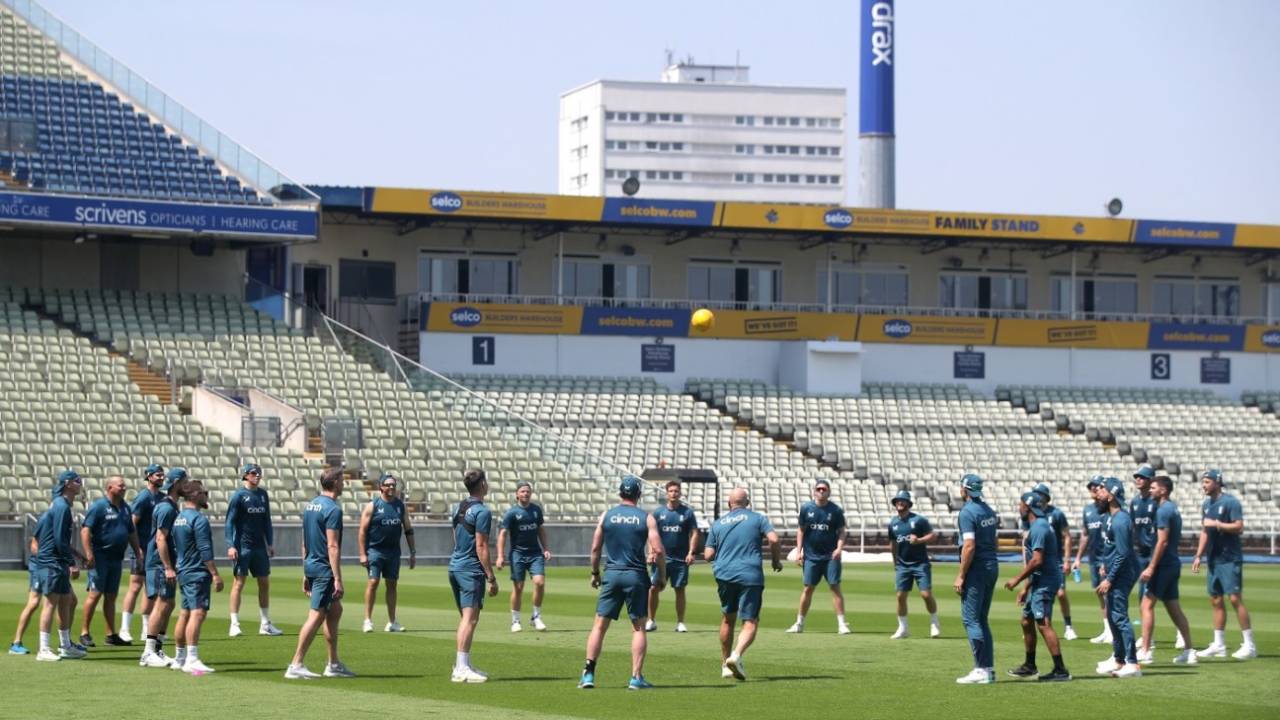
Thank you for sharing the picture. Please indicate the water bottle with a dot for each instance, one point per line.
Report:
(1075, 574)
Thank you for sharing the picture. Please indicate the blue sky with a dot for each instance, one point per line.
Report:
(1037, 107)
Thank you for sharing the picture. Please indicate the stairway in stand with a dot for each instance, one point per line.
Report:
(150, 383)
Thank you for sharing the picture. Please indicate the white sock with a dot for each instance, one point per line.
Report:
(799, 619)
(264, 615)
(193, 653)
(160, 638)
(126, 619)
(44, 641)
(144, 625)
(733, 657)
(181, 655)
(1248, 637)
(537, 611)
(235, 618)
(933, 618)
(902, 622)
(463, 661)
(515, 616)
(64, 636)
(840, 621)
(151, 646)
(1220, 637)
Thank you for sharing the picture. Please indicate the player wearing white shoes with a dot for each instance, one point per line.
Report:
(910, 534)
(733, 549)
(56, 565)
(820, 550)
(470, 570)
(143, 505)
(976, 580)
(162, 574)
(251, 545)
(1162, 572)
(193, 544)
(1122, 573)
(1042, 569)
(678, 528)
(527, 554)
(106, 533)
(1062, 528)
(322, 578)
(382, 523)
(1091, 548)
(1222, 525)
(1142, 510)
(626, 535)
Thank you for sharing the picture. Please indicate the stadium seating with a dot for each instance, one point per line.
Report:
(69, 403)
(91, 140)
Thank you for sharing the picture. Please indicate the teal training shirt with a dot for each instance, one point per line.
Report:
(1223, 548)
(823, 525)
(675, 528)
(626, 535)
(1142, 513)
(53, 535)
(521, 524)
(736, 539)
(109, 527)
(904, 553)
(318, 517)
(476, 519)
(978, 521)
(1091, 518)
(248, 524)
(1042, 537)
(385, 526)
(193, 541)
(1169, 519)
(162, 518)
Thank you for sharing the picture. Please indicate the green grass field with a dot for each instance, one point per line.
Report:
(817, 674)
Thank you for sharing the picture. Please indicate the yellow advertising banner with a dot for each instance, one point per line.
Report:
(1257, 236)
(1262, 338)
(753, 325)
(495, 205)
(921, 329)
(525, 319)
(1071, 333)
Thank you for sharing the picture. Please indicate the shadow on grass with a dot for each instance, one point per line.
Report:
(778, 678)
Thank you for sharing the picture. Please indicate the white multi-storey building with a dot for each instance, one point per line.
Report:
(704, 133)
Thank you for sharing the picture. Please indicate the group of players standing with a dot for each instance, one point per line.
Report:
(641, 551)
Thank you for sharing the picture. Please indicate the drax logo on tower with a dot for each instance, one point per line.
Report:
(1271, 338)
(838, 218)
(466, 317)
(897, 328)
(446, 202)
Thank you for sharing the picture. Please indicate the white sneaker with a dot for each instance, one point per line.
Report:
(1213, 651)
(338, 670)
(267, 628)
(935, 631)
(126, 636)
(1186, 657)
(467, 675)
(299, 672)
(1180, 644)
(478, 671)
(194, 666)
(977, 676)
(735, 667)
(650, 626)
(1108, 666)
(843, 629)
(394, 627)
(178, 662)
(71, 652)
(1246, 652)
(516, 626)
(1128, 671)
(154, 660)
(48, 655)
(1070, 634)
(725, 672)
(538, 624)
(367, 626)
(1103, 638)
(680, 627)
(796, 628)
(1146, 657)
(235, 630)
(901, 634)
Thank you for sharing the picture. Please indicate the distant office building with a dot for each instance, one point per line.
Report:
(704, 132)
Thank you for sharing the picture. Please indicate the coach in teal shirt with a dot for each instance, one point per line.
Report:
(733, 548)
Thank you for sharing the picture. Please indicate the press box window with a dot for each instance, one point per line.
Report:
(372, 282)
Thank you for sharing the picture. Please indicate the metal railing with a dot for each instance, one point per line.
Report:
(234, 156)
(689, 304)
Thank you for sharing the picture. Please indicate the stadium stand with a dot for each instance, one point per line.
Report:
(65, 131)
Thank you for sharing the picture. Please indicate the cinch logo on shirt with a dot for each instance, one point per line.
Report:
(671, 528)
(903, 538)
(732, 519)
(180, 522)
(988, 522)
(1094, 525)
(314, 507)
(111, 515)
(624, 520)
(389, 521)
(527, 526)
(819, 526)
(255, 509)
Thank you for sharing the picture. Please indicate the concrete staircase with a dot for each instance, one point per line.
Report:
(150, 383)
